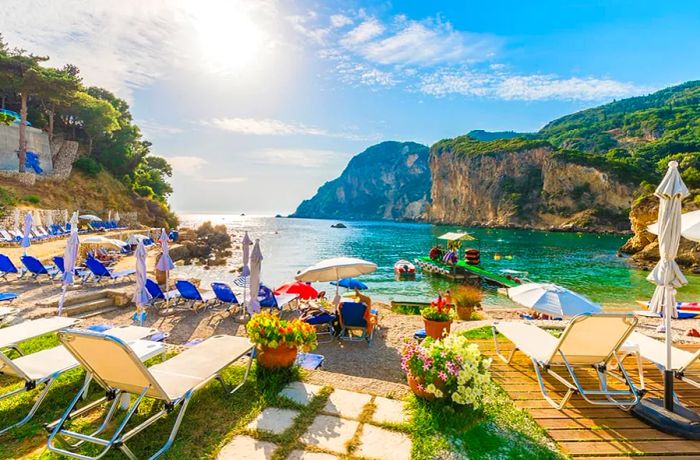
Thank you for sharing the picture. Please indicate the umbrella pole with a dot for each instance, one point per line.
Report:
(63, 298)
(668, 372)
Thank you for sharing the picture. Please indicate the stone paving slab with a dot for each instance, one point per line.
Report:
(383, 444)
(305, 455)
(346, 404)
(246, 448)
(301, 393)
(389, 411)
(274, 420)
(330, 433)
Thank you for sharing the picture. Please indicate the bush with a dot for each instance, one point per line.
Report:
(268, 330)
(143, 190)
(33, 199)
(88, 166)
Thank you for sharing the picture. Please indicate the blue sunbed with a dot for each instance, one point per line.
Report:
(37, 269)
(157, 294)
(191, 294)
(7, 296)
(79, 272)
(225, 295)
(7, 267)
(99, 271)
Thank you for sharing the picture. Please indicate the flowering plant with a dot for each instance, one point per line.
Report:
(450, 368)
(438, 310)
(270, 331)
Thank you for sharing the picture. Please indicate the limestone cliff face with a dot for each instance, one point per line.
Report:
(527, 188)
(389, 181)
(644, 246)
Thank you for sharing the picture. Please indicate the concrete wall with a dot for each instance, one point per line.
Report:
(37, 141)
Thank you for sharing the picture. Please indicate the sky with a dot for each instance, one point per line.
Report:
(258, 103)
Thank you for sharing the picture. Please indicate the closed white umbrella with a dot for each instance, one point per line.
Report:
(109, 215)
(116, 216)
(256, 259)
(36, 218)
(17, 219)
(244, 279)
(65, 216)
(165, 263)
(70, 256)
(49, 219)
(141, 295)
(336, 269)
(27, 231)
(552, 300)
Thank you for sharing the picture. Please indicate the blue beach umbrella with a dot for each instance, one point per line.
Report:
(350, 283)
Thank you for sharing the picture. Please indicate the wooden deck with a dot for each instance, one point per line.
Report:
(586, 431)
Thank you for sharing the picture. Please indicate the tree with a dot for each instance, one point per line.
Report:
(21, 72)
(57, 90)
(97, 117)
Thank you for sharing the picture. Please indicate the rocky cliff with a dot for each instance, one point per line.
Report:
(390, 181)
(522, 184)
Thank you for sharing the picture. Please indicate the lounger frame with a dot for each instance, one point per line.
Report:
(60, 435)
(621, 398)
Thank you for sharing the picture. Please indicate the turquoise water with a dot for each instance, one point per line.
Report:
(586, 263)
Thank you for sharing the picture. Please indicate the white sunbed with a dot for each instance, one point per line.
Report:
(682, 361)
(44, 367)
(589, 341)
(118, 370)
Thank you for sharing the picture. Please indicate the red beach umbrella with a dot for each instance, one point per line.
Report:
(303, 290)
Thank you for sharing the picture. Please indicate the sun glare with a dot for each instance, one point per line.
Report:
(229, 39)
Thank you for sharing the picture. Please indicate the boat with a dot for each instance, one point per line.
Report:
(686, 310)
(404, 269)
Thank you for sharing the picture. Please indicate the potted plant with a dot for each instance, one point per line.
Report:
(437, 318)
(466, 299)
(278, 341)
(451, 369)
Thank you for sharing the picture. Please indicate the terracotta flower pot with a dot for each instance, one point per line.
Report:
(271, 358)
(437, 329)
(465, 312)
(414, 384)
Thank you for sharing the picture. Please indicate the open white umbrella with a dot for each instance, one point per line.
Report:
(141, 295)
(256, 259)
(90, 217)
(336, 269)
(102, 240)
(70, 256)
(27, 231)
(136, 238)
(552, 300)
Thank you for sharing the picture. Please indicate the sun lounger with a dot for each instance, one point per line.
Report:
(44, 367)
(7, 312)
(683, 362)
(356, 316)
(99, 271)
(225, 296)
(192, 295)
(7, 267)
(7, 296)
(5, 236)
(268, 299)
(37, 269)
(116, 368)
(79, 272)
(157, 294)
(589, 341)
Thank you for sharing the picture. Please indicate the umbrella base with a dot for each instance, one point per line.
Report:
(681, 422)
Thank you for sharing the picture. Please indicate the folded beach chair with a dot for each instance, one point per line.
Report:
(37, 269)
(44, 367)
(589, 341)
(190, 294)
(5, 236)
(99, 271)
(7, 267)
(157, 294)
(79, 272)
(225, 296)
(356, 316)
(115, 367)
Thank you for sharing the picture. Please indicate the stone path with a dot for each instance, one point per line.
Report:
(348, 425)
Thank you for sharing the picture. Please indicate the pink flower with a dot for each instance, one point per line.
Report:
(442, 376)
(452, 367)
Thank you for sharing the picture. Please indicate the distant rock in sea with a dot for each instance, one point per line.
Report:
(388, 181)
(339, 225)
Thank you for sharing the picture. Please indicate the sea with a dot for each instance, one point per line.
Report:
(586, 263)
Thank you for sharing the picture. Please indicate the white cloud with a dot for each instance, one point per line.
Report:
(340, 20)
(525, 87)
(263, 126)
(366, 31)
(193, 167)
(153, 129)
(304, 158)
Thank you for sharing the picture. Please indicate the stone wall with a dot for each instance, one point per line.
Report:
(66, 152)
(37, 142)
(15, 220)
(128, 219)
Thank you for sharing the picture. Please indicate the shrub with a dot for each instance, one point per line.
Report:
(33, 199)
(451, 368)
(438, 310)
(88, 166)
(143, 190)
(268, 330)
(466, 296)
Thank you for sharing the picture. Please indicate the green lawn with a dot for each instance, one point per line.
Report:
(213, 418)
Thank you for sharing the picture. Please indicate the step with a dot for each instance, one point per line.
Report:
(75, 298)
(88, 306)
(91, 313)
